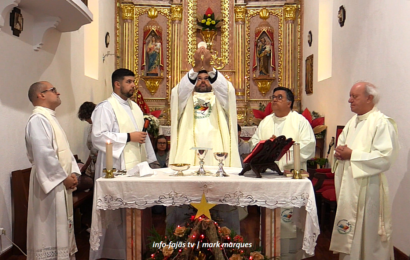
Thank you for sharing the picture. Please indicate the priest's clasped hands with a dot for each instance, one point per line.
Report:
(343, 152)
(202, 59)
(71, 182)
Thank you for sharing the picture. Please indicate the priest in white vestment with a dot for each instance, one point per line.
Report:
(50, 226)
(203, 114)
(120, 121)
(366, 149)
(284, 121)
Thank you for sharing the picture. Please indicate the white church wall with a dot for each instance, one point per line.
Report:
(372, 46)
(61, 62)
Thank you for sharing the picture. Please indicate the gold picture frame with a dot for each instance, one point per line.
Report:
(309, 75)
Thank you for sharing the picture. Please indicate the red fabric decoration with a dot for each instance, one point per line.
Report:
(262, 114)
(144, 107)
(329, 194)
(324, 170)
(156, 113)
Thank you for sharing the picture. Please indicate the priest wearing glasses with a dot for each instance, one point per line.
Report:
(284, 121)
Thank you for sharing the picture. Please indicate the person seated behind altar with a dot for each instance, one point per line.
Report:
(284, 121)
(120, 121)
(243, 146)
(162, 151)
(203, 109)
(84, 114)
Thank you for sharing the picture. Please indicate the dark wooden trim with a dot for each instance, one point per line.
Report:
(6, 254)
(399, 255)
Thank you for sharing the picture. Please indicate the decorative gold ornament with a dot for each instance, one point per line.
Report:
(278, 12)
(152, 83)
(176, 13)
(203, 207)
(152, 13)
(127, 12)
(264, 84)
(240, 13)
(290, 12)
(208, 36)
(264, 14)
(217, 62)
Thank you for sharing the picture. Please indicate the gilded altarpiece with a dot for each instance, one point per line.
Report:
(238, 44)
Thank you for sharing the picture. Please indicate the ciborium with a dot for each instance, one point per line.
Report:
(201, 154)
(179, 167)
(220, 157)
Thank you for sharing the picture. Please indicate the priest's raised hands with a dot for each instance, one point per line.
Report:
(202, 59)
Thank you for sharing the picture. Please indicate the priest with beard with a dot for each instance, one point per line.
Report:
(120, 121)
(284, 121)
(203, 114)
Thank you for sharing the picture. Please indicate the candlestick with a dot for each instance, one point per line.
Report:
(108, 156)
(296, 156)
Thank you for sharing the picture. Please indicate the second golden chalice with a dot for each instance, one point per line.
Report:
(179, 167)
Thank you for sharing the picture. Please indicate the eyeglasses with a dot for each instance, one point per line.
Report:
(278, 97)
(53, 89)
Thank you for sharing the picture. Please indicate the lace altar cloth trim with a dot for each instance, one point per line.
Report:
(272, 191)
(49, 253)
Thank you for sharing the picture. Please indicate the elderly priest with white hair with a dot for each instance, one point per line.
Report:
(366, 149)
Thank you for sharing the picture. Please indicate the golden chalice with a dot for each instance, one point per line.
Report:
(179, 167)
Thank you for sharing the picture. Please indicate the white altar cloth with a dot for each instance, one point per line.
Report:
(271, 191)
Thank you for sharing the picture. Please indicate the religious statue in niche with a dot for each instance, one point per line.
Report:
(153, 55)
(264, 55)
(152, 66)
(263, 65)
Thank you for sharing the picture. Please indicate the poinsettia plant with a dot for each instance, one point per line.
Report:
(316, 121)
(208, 21)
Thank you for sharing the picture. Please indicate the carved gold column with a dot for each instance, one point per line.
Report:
(240, 37)
(176, 16)
(128, 37)
(289, 72)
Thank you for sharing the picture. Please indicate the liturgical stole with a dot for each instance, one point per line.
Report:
(134, 153)
(341, 241)
(65, 158)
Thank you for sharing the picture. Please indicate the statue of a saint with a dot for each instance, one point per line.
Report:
(264, 57)
(153, 56)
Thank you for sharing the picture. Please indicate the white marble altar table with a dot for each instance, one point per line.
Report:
(271, 191)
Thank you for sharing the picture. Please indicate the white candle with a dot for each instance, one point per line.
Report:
(296, 156)
(108, 155)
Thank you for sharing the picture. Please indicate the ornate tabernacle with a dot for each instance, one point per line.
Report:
(265, 154)
(255, 44)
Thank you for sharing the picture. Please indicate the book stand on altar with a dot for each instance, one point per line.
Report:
(265, 154)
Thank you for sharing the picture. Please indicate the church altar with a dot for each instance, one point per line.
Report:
(271, 192)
